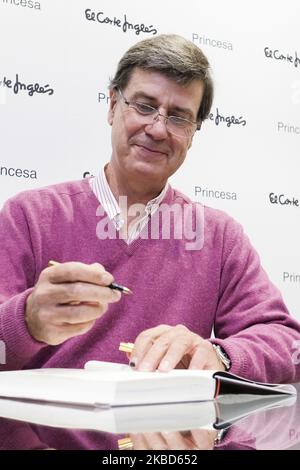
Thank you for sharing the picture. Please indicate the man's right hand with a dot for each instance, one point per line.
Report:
(67, 300)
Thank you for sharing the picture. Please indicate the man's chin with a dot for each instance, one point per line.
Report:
(146, 173)
(148, 168)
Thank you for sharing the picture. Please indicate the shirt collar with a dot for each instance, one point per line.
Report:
(108, 201)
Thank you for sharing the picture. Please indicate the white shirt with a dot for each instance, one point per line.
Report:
(103, 193)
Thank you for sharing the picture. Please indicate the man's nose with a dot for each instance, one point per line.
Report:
(157, 128)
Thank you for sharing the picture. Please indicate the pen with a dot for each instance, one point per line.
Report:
(113, 285)
(125, 443)
(126, 347)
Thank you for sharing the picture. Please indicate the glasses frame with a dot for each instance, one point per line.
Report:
(156, 114)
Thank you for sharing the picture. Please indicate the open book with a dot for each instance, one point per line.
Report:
(142, 418)
(108, 384)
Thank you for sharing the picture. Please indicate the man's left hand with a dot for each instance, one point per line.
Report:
(167, 347)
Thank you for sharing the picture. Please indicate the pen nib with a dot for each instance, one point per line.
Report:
(126, 290)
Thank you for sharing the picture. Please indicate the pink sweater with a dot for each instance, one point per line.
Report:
(221, 287)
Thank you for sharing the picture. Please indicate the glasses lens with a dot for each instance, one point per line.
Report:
(144, 109)
(175, 125)
(180, 127)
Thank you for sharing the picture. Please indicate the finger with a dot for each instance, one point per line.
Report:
(169, 349)
(188, 437)
(205, 357)
(155, 441)
(158, 355)
(138, 441)
(77, 314)
(204, 438)
(144, 342)
(154, 355)
(75, 271)
(179, 346)
(58, 334)
(175, 441)
(199, 358)
(82, 292)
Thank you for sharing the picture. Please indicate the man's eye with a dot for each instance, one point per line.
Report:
(144, 108)
(179, 121)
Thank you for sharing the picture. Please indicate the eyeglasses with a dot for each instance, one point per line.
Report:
(176, 125)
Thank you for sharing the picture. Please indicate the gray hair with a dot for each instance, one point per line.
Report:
(173, 56)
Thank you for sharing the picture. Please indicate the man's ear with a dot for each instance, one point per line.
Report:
(112, 105)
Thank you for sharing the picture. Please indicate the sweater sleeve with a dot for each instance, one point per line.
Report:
(17, 277)
(252, 323)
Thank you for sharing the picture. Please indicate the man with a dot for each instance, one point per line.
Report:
(64, 315)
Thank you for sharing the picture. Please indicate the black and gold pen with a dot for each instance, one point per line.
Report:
(113, 285)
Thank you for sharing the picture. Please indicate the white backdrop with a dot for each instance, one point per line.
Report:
(56, 130)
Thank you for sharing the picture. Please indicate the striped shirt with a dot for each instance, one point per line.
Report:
(103, 193)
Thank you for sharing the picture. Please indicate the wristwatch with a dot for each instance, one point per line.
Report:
(220, 436)
(222, 356)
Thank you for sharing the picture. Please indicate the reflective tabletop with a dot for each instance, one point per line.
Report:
(231, 422)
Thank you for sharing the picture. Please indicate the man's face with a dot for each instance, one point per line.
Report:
(149, 154)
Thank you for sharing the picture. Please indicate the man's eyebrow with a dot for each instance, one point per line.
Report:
(141, 95)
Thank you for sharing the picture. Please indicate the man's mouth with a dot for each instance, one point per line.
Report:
(151, 150)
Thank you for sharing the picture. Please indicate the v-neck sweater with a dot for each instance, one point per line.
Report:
(220, 287)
